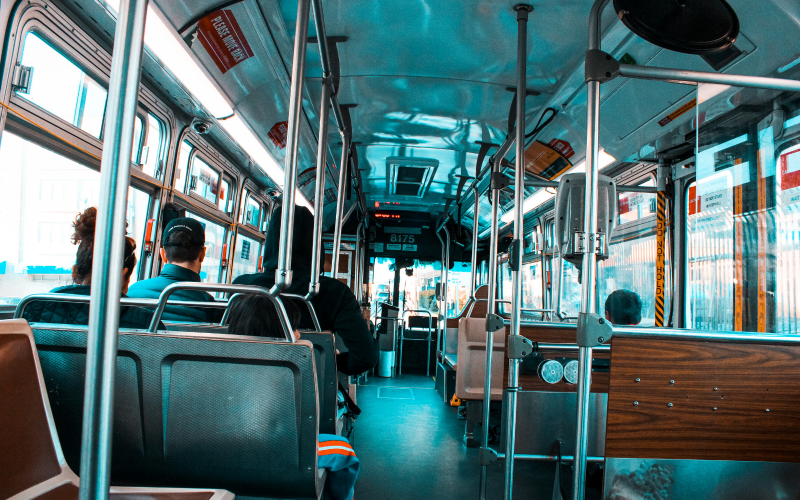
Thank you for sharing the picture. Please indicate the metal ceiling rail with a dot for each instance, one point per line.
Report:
(325, 57)
(620, 188)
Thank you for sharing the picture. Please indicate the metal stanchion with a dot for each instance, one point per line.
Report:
(441, 345)
(337, 222)
(359, 262)
(319, 191)
(283, 274)
(515, 259)
(109, 250)
(487, 456)
(475, 224)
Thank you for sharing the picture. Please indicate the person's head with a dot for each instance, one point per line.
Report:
(624, 307)
(83, 236)
(256, 315)
(184, 243)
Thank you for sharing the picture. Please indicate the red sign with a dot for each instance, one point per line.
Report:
(223, 39)
(694, 201)
(790, 170)
(563, 147)
(278, 134)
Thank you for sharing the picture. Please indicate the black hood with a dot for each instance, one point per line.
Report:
(302, 242)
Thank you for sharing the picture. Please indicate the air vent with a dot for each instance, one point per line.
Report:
(409, 177)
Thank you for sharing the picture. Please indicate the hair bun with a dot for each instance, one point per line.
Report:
(84, 227)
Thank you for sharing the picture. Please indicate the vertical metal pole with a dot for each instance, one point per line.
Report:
(589, 271)
(442, 346)
(490, 309)
(359, 263)
(337, 222)
(109, 251)
(475, 225)
(522, 11)
(319, 191)
(283, 274)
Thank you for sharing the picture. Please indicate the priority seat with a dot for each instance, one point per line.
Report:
(32, 464)
(199, 409)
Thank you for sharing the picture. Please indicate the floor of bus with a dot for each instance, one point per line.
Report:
(414, 448)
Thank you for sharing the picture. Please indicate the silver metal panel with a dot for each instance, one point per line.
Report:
(639, 478)
(544, 417)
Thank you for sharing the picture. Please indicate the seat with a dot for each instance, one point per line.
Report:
(472, 360)
(327, 379)
(417, 328)
(32, 464)
(198, 409)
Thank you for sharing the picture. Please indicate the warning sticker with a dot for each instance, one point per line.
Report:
(545, 161)
(562, 147)
(223, 39)
(678, 112)
(278, 134)
(790, 178)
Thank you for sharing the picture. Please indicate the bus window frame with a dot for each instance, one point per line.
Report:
(249, 233)
(213, 159)
(249, 189)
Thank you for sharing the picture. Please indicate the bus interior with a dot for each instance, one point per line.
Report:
(482, 176)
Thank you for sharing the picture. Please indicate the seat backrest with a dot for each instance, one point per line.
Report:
(29, 451)
(480, 306)
(472, 360)
(327, 379)
(198, 410)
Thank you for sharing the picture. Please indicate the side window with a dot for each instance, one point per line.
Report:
(252, 211)
(204, 180)
(137, 139)
(182, 165)
(152, 155)
(635, 206)
(243, 211)
(245, 257)
(62, 88)
(225, 196)
(44, 192)
(215, 238)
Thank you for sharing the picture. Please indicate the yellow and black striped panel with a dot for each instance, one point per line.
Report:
(661, 233)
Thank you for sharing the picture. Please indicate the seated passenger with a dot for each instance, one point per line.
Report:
(624, 307)
(255, 315)
(183, 249)
(336, 307)
(77, 313)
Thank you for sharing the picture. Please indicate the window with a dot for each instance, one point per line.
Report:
(137, 139)
(62, 88)
(570, 289)
(215, 237)
(225, 196)
(43, 194)
(252, 210)
(182, 165)
(787, 218)
(153, 152)
(531, 286)
(245, 256)
(635, 206)
(204, 181)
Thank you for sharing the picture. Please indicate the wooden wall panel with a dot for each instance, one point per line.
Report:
(730, 401)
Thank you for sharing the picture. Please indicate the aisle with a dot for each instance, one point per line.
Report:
(410, 446)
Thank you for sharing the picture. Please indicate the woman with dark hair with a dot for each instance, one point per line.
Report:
(77, 313)
(256, 315)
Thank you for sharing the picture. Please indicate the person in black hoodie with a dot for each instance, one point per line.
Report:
(336, 307)
(77, 313)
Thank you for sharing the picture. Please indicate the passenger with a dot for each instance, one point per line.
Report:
(624, 307)
(183, 249)
(336, 307)
(77, 313)
(256, 315)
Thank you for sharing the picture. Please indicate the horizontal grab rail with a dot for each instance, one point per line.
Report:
(125, 301)
(218, 287)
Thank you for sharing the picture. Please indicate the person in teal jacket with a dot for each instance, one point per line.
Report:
(183, 250)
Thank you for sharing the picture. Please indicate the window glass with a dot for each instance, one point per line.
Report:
(151, 152)
(62, 88)
(787, 219)
(182, 165)
(631, 265)
(224, 196)
(137, 139)
(570, 289)
(44, 193)
(252, 211)
(531, 286)
(634, 206)
(215, 238)
(204, 181)
(245, 256)
(137, 215)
